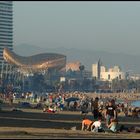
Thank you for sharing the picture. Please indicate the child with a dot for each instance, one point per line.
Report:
(86, 123)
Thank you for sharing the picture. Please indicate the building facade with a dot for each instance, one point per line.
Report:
(134, 77)
(74, 66)
(96, 70)
(101, 73)
(109, 76)
(36, 63)
(6, 26)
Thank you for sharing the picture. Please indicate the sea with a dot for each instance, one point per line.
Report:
(136, 103)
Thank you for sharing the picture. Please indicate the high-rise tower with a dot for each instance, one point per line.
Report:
(6, 26)
(96, 68)
(6, 34)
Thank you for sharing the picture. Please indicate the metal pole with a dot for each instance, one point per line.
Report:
(6, 71)
(10, 73)
(23, 82)
(2, 70)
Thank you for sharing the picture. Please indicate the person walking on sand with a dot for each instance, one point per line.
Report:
(110, 112)
(95, 107)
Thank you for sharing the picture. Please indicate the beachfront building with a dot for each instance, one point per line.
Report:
(6, 32)
(101, 73)
(73, 66)
(112, 73)
(6, 26)
(134, 77)
(29, 70)
(36, 63)
(96, 70)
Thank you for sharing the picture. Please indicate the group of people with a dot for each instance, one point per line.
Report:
(109, 114)
(112, 126)
(102, 110)
(85, 103)
(96, 126)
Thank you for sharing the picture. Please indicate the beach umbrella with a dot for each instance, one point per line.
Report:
(71, 99)
(25, 104)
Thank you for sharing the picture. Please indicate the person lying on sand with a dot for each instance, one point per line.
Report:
(49, 110)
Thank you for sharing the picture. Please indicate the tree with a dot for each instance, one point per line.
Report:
(138, 85)
(81, 68)
(38, 83)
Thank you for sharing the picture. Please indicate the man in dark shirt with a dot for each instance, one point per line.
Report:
(95, 108)
(110, 113)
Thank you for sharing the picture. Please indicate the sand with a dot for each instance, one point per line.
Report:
(33, 123)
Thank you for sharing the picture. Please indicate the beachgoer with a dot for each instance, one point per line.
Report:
(113, 125)
(86, 124)
(110, 113)
(84, 108)
(94, 107)
(97, 126)
(75, 106)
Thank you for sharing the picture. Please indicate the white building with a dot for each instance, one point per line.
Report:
(96, 68)
(74, 66)
(102, 73)
(109, 76)
(134, 76)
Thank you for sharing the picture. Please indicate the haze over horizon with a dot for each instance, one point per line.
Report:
(104, 26)
(87, 57)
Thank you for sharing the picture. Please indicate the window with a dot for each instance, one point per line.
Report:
(120, 77)
(108, 76)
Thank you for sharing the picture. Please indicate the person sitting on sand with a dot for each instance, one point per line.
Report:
(86, 124)
(97, 126)
(49, 110)
(113, 125)
(135, 113)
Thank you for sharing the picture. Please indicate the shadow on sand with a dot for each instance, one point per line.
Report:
(44, 120)
(40, 120)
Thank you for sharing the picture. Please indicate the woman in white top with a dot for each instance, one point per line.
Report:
(97, 126)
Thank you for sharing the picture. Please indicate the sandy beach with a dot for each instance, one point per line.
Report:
(126, 97)
(33, 123)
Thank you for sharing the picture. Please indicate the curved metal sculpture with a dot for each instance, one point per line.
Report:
(35, 63)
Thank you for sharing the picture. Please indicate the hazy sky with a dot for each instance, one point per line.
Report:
(111, 26)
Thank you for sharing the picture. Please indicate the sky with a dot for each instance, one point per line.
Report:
(94, 25)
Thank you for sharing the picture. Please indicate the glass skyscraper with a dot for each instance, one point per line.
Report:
(6, 26)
